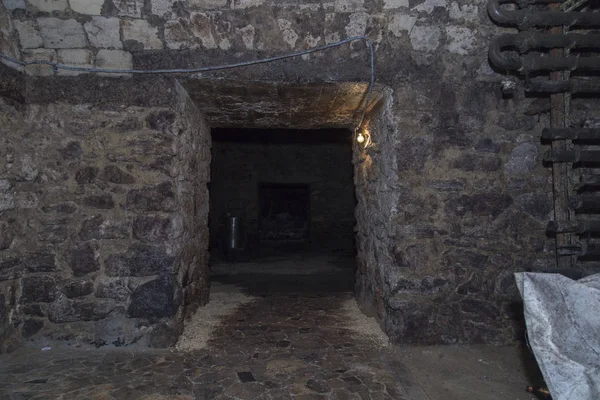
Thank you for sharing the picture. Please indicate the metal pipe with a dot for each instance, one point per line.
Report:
(525, 19)
(506, 62)
(580, 249)
(575, 134)
(571, 86)
(587, 205)
(535, 62)
(591, 180)
(588, 183)
(525, 42)
(573, 156)
(576, 227)
(570, 250)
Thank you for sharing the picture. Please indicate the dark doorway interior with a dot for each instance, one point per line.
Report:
(282, 209)
(284, 212)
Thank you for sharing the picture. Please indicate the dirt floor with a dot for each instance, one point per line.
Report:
(251, 342)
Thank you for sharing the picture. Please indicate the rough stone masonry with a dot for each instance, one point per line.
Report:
(103, 221)
(103, 199)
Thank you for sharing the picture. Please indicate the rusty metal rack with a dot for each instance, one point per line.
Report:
(556, 53)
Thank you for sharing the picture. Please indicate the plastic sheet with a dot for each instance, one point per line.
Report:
(563, 326)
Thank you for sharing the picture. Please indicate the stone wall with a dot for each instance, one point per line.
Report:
(452, 195)
(102, 221)
(8, 37)
(239, 168)
(452, 200)
(162, 33)
(192, 172)
(11, 119)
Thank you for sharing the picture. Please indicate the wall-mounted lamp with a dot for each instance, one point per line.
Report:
(363, 137)
(360, 138)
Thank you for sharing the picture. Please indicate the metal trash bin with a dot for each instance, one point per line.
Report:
(234, 237)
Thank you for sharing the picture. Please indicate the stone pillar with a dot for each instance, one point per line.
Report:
(103, 221)
(377, 193)
(452, 201)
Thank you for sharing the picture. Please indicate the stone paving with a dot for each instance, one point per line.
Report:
(277, 347)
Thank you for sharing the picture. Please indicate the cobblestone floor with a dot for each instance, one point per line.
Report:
(276, 347)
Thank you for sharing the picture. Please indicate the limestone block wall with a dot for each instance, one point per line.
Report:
(102, 221)
(125, 33)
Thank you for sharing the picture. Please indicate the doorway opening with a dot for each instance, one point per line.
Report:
(282, 209)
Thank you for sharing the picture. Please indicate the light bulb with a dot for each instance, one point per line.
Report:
(360, 138)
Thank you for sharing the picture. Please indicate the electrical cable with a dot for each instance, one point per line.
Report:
(57, 66)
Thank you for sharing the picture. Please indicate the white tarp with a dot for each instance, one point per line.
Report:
(563, 326)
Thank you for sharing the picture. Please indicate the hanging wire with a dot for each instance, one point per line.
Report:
(371, 84)
(57, 66)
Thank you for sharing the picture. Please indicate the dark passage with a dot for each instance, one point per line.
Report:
(282, 209)
(284, 212)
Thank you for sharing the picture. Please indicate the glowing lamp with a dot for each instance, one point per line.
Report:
(360, 138)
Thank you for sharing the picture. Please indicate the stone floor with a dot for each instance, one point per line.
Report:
(301, 345)
(296, 272)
